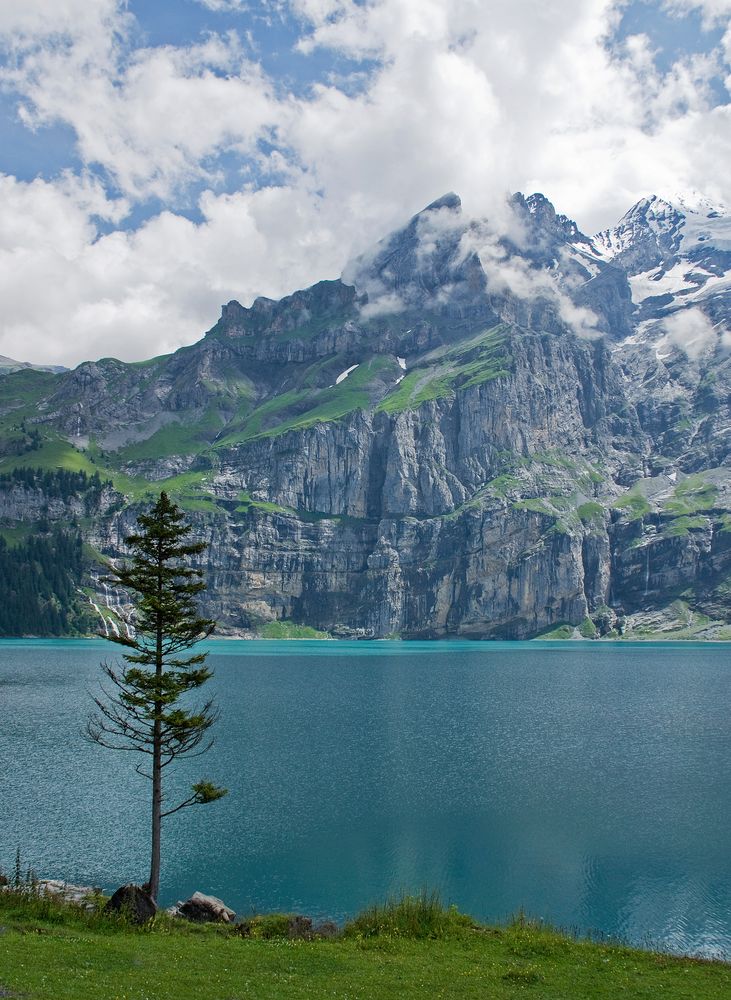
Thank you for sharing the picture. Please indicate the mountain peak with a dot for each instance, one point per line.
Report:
(449, 200)
(539, 211)
(656, 229)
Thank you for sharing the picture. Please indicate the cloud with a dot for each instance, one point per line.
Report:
(513, 277)
(382, 304)
(485, 99)
(69, 294)
(482, 99)
(692, 331)
(155, 119)
(712, 11)
(225, 5)
(29, 23)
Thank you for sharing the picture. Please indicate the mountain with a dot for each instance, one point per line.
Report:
(8, 365)
(677, 256)
(478, 430)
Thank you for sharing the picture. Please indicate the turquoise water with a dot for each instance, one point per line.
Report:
(589, 784)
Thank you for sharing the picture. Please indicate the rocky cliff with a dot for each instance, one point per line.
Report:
(478, 431)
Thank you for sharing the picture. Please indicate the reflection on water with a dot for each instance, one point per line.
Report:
(587, 784)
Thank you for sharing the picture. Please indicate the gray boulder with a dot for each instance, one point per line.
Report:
(202, 909)
(132, 902)
(79, 895)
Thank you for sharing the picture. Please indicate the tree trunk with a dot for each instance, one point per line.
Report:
(156, 820)
(157, 751)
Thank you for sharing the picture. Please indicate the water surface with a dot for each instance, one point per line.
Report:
(588, 784)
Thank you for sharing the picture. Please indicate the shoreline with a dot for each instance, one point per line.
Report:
(464, 641)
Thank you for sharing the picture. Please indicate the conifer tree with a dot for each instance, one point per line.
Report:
(142, 712)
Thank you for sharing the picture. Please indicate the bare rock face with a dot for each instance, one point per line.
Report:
(202, 909)
(132, 902)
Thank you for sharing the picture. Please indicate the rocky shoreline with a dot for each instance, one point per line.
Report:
(134, 903)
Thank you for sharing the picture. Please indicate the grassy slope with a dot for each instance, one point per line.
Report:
(80, 958)
(304, 406)
(436, 375)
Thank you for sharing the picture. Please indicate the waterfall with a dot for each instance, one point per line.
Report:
(96, 608)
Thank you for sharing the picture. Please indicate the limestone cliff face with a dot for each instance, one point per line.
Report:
(560, 394)
(469, 434)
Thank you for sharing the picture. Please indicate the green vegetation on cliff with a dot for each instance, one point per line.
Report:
(441, 372)
(290, 630)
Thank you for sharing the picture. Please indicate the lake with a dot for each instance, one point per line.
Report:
(588, 784)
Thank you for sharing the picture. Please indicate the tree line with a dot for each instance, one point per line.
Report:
(54, 483)
(38, 581)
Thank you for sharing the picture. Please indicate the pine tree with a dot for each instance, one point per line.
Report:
(142, 712)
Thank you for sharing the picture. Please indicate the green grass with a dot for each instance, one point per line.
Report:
(680, 526)
(290, 630)
(414, 917)
(411, 948)
(503, 484)
(478, 360)
(564, 631)
(17, 533)
(321, 322)
(247, 505)
(691, 495)
(634, 505)
(188, 490)
(414, 389)
(54, 453)
(560, 508)
(254, 423)
(554, 460)
(536, 505)
(300, 408)
(591, 513)
(173, 439)
(26, 386)
(587, 629)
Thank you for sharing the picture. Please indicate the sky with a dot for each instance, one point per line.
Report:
(161, 157)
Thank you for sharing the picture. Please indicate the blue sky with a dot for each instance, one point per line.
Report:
(159, 157)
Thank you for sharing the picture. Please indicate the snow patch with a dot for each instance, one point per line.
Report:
(655, 282)
(402, 363)
(343, 375)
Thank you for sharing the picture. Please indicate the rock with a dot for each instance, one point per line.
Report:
(299, 927)
(202, 909)
(78, 895)
(132, 902)
(326, 929)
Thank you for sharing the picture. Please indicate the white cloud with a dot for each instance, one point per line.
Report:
(32, 21)
(514, 277)
(711, 10)
(693, 332)
(482, 99)
(225, 5)
(154, 118)
(69, 295)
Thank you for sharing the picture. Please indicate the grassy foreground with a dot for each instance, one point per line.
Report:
(412, 948)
